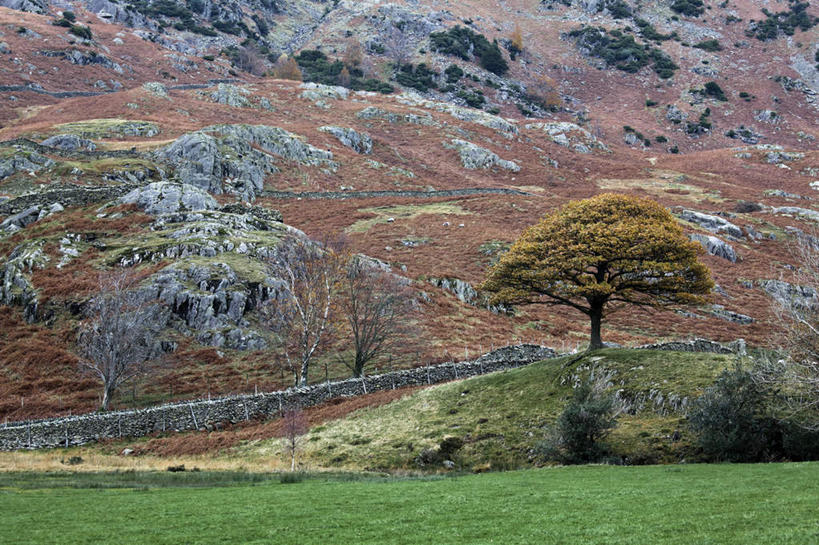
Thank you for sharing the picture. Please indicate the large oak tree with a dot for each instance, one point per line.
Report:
(599, 253)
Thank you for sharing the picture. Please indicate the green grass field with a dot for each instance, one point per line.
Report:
(702, 504)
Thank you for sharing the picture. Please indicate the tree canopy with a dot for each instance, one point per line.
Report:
(600, 253)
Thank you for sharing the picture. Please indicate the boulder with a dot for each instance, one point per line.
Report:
(231, 95)
(730, 316)
(318, 91)
(169, 197)
(156, 88)
(476, 157)
(357, 141)
(24, 161)
(21, 220)
(715, 246)
(715, 224)
(69, 142)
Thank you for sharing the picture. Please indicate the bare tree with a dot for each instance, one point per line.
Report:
(294, 426)
(378, 307)
(118, 340)
(250, 60)
(796, 307)
(300, 313)
(397, 45)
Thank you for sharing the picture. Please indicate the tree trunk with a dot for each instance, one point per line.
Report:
(305, 365)
(107, 393)
(596, 317)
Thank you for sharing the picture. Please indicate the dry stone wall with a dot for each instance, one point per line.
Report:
(210, 414)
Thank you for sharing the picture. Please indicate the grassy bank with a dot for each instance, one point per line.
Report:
(725, 504)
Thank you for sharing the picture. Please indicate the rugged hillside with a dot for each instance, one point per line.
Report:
(420, 180)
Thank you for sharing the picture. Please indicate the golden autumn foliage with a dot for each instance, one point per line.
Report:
(516, 40)
(286, 68)
(599, 253)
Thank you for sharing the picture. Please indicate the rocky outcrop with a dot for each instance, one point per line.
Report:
(318, 92)
(715, 224)
(209, 302)
(231, 95)
(359, 142)
(570, 135)
(16, 288)
(476, 157)
(169, 197)
(156, 88)
(506, 128)
(715, 246)
(730, 316)
(23, 161)
(28, 216)
(791, 294)
(69, 142)
(467, 294)
(83, 58)
(371, 112)
(698, 345)
(797, 211)
(32, 6)
(237, 158)
(780, 157)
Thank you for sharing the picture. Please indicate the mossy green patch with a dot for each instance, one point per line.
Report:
(405, 212)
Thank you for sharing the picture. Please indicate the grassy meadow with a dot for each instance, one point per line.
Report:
(704, 504)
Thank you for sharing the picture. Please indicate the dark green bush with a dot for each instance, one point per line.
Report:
(453, 73)
(69, 16)
(709, 45)
(464, 43)
(580, 429)
(660, 139)
(650, 103)
(713, 90)
(648, 31)
(420, 77)
(786, 22)
(473, 98)
(689, 8)
(622, 51)
(81, 31)
(317, 67)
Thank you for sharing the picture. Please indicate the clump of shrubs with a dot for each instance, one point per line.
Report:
(579, 433)
(622, 51)
(315, 66)
(735, 420)
(785, 21)
(689, 8)
(709, 45)
(466, 44)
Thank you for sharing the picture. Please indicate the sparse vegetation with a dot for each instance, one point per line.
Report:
(786, 22)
